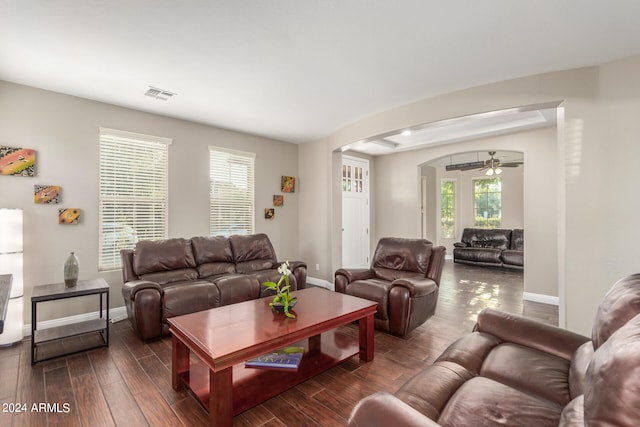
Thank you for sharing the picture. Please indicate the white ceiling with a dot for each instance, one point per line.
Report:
(299, 70)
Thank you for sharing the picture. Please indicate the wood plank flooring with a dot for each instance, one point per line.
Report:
(129, 383)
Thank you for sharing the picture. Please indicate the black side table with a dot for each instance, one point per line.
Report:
(47, 340)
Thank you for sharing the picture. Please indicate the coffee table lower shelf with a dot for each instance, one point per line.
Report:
(252, 386)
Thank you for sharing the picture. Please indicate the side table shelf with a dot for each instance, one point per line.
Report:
(91, 333)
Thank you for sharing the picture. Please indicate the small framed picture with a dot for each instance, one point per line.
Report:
(17, 161)
(68, 216)
(288, 184)
(269, 213)
(278, 200)
(45, 194)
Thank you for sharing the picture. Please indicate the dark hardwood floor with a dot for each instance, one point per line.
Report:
(129, 383)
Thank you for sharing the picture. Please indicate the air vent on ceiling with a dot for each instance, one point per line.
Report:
(161, 94)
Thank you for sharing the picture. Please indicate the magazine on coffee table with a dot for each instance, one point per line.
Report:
(285, 358)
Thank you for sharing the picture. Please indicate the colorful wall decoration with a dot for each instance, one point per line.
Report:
(278, 200)
(68, 216)
(46, 194)
(17, 161)
(269, 213)
(288, 184)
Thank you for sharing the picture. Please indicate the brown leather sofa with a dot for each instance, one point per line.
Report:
(404, 278)
(491, 247)
(167, 278)
(513, 371)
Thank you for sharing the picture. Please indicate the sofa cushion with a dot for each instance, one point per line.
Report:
(512, 257)
(237, 288)
(578, 370)
(252, 253)
(517, 240)
(470, 350)
(486, 238)
(485, 402)
(401, 258)
(530, 371)
(619, 305)
(481, 255)
(213, 256)
(429, 390)
(185, 298)
(573, 413)
(171, 276)
(152, 256)
(612, 383)
(212, 249)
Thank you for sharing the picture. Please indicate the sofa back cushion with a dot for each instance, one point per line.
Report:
(252, 253)
(486, 238)
(213, 256)
(517, 240)
(619, 305)
(612, 383)
(397, 258)
(164, 261)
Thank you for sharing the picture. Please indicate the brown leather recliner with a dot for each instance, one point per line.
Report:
(404, 279)
(514, 371)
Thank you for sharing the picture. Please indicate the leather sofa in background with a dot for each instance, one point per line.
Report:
(491, 247)
(404, 279)
(172, 277)
(513, 371)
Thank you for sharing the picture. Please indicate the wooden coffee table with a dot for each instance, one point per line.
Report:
(224, 338)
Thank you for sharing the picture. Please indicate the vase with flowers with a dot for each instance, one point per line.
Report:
(283, 301)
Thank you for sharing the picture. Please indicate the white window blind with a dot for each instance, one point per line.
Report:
(231, 201)
(133, 192)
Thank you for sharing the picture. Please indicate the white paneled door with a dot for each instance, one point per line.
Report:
(355, 212)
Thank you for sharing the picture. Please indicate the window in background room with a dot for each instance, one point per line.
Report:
(231, 191)
(487, 196)
(133, 192)
(447, 208)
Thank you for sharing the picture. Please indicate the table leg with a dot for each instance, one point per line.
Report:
(221, 398)
(366, 329)
(315, 344)
(179, 362)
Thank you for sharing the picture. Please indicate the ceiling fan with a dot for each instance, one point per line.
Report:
(492, 166)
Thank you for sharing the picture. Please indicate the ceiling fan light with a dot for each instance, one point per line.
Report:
(489, 172)
(498, 171)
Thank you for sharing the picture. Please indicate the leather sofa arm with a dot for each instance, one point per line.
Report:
(383, 409)
(353, 274)
(344, 276)
(417, 286)
(460, 245)
(130, 289)
(530, 333)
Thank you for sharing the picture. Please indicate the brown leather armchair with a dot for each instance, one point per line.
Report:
(404, 279)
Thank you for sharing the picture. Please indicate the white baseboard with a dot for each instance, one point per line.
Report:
(320, 282)
(448, 256)
(544, 299)
(115, 315)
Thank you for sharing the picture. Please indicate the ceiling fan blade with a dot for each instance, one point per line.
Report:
(464, 166)
(511, 164)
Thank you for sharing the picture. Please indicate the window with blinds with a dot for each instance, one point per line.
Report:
(231, 190)
(133, 192)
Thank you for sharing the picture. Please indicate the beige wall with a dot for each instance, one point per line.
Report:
(396, 174)
(64, 131)
(594, 209)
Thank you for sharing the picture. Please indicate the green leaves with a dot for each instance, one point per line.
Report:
(283, 293)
